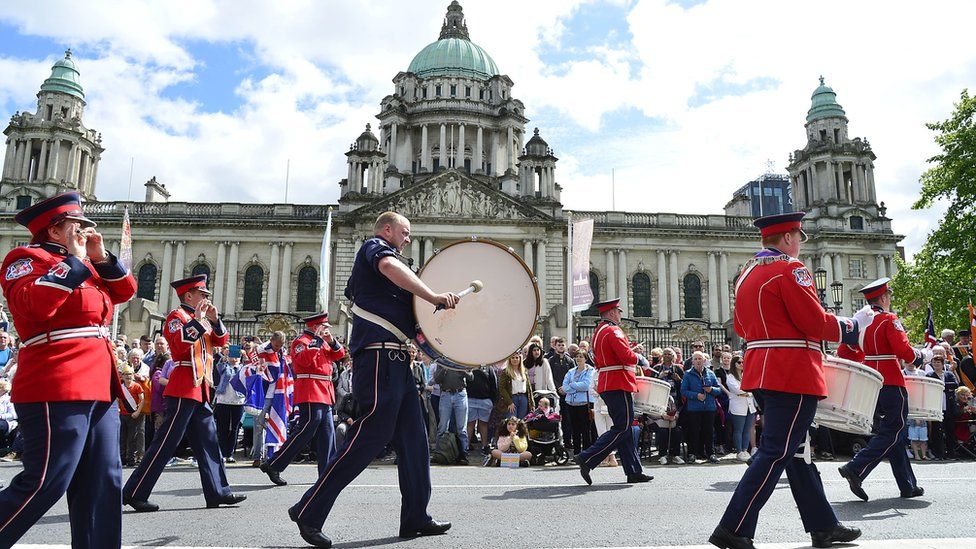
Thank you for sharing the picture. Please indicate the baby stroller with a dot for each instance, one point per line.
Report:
(545, 438)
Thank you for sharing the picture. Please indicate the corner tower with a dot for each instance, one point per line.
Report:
(51, 151)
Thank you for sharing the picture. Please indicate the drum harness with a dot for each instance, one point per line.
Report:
(396, 351)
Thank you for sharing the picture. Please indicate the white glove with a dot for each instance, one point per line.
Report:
(926, 355)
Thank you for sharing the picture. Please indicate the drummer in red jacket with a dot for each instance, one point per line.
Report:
(192, 330)
(312, 355)
(883, 342)
(616, 363)
(779, 315)
(61, 290)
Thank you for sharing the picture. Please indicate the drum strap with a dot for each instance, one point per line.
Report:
(379, 321)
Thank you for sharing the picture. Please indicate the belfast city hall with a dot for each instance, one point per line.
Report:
(452, 149)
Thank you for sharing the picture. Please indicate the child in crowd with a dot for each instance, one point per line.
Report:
(513, 437)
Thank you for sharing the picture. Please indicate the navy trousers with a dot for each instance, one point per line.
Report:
(69, 447)
(786, 419)
(195, 420)
(386, 393)
(314, 421)
(890, 442)
(620, 405)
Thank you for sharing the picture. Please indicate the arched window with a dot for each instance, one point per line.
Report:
(253, 288)
(595, 288)
(202, 269)
(308, 281)
(693, 300)
(147, 282)
(642, 294)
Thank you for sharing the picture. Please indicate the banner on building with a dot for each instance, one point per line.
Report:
(125, 246)
(582, 240)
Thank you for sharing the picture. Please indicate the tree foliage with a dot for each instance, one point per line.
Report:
(943, 272)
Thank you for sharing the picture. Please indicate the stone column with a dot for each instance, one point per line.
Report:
(443, 151)
(415, 252)
(165, 277)
(827, 265)
(8, 156)
(424, 149)
(219, 274)
(479, 153)
(273, 277)
(70, 175)
(459, 161)
(394, 160)
(230, 301)
(284, 301)
(26, 158)
(179, 264)
(351, 177)
(838, 267)
(713, 315)
(622, 281)
(674, 283)
(13, 170)
(55, 160)
(723, 286)
(540, 273)
(494, 153)
(662, 286)
(527, 254)
(429, 249)
(882, 272)
(892, 266)
(41, 162)
(611, 275)
(509, 153)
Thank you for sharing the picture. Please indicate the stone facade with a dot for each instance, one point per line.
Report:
(455, 163)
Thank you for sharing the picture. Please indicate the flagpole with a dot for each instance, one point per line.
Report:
(569, 278)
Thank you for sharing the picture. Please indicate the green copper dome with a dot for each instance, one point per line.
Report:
(824, 104)
(65, 78)
(453, 57)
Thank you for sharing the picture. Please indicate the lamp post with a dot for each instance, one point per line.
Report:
(820, 281)
(837, 292)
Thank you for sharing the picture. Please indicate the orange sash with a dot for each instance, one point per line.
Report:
(201, 356)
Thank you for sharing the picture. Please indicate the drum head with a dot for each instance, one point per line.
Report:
(489, 325)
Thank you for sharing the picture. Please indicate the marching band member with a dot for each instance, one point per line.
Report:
(380, 287)
(312, 354)
(882, 343)
(192, 330)
(616, 363)
(779, 315)
(61, 290)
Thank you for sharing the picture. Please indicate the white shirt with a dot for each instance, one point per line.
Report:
(518, 386)
(7, 411)
(739, 405)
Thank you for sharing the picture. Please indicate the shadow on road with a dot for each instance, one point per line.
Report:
(185, 492)
(368, 542)
(729, 485)
(877, 509)
(555, 492)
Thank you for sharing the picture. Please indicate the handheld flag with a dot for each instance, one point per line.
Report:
(930, 340)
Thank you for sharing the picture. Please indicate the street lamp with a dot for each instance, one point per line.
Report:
(820, 281)
(837, 292)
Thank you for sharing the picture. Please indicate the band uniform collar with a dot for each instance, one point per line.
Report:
(187, 308)
(54, 248)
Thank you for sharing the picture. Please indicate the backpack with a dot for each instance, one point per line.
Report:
(447, 450)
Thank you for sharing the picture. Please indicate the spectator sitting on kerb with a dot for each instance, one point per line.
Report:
(512, 438)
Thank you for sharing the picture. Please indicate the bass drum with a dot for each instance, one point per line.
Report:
(487, 326)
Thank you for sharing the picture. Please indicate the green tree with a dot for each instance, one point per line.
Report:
(943, 272)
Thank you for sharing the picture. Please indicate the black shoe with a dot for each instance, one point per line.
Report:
(713, 458)
(914, 492)
(140, 506)
(838, 534)
(724, 539)
(231, 499)
(854, 481)
(584, 470)
(275, 476)
(312, 536)
(463, 460)
(638, 478)
(432, 528)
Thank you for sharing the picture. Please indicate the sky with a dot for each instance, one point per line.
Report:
(683, 101)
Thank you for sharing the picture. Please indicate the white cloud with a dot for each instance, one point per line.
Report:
(895, 65)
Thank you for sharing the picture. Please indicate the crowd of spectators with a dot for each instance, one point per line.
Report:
(497, 410)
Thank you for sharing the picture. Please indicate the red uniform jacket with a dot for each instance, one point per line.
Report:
(615, 360)
(181, 331)
(311, 361)
(778, 314)
(882, 343)
(61, 308)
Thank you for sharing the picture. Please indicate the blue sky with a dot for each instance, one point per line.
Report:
(215, 98)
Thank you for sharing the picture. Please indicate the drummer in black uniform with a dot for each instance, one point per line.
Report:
(381, 287)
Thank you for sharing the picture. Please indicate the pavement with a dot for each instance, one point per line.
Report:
(538, 507)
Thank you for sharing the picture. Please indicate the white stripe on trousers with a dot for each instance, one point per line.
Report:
(893, 442)
(789, 434)
(323, 478)
(47, 461)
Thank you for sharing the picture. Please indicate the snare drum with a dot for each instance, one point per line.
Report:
(852, 395)
(652, 396)
(488, 326)
(925, 398)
